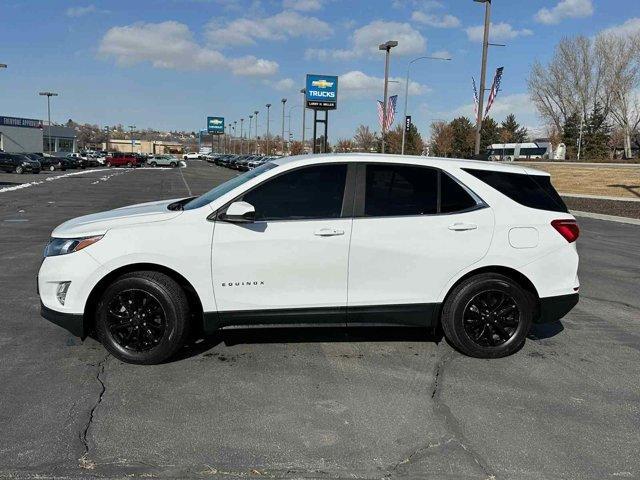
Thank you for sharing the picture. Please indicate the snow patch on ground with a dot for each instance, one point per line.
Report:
(48, 179)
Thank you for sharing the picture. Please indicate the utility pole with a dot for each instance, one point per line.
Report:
(387, 48)
(241, 135)
(304, 117)
(106, 131)
(483, 72)
(234, 139)
(257, 145)
(268, 105)
(132, 128)
(406, 92)
(48, 95)
(284, 100)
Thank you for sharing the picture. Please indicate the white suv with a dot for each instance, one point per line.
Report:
(483, 250)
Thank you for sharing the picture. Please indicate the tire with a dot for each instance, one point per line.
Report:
(52, 168)
(172, 164)
(153, 164)
(163, 295)
(474, 330)
(129, 165)
(109, 164)
(19, 170)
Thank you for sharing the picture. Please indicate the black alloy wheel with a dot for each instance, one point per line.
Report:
(136, 320)
(491, 318)
(488, 315)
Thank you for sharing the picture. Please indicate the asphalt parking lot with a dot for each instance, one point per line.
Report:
(310, 403)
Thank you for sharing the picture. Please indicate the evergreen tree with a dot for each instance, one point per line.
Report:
(489, 134)
(516, 132)
(596, 135)
(570, 134)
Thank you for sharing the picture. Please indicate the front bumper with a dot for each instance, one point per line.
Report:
(553, 309)
(73, 322)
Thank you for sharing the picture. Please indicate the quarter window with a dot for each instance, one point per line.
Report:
(453, 197)
(308, 193)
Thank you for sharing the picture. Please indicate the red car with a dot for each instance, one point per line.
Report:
(123, 160)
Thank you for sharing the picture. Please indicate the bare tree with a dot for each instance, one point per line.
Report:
(364, 139)
(345, 146)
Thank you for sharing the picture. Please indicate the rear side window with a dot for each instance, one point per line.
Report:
(393, 190)
(307, 193)
(533, 191)
(453, 197)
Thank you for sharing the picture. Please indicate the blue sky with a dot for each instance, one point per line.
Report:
(169, 63)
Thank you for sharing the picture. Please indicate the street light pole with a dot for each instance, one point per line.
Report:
(406, 92)
(257, 143)
(284, 100)
(132, 128)
(234, 139)
(106, 131)
(241, 135)
(483, 72)
(249, 136)
(268, 105)
(387, 48)
(304, 117)
(48, 95)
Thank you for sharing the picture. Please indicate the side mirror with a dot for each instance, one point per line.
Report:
(240, 212)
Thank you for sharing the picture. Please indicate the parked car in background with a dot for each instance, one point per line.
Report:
(14, 162)
(75, 161)
(162, 161)
(120, 159)
(191, 156)
(47, 162)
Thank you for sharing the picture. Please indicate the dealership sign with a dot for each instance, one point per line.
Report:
(20, 122)
(215, 125)
(321, 92)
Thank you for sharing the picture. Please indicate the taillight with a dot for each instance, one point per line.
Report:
(567, 228)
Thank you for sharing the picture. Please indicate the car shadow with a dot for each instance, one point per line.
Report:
(541, 331)
(243, 336)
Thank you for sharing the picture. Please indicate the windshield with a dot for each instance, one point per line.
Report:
(226, 187)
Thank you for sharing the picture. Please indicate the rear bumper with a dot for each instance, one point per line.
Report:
(553, 309)
(73, 322)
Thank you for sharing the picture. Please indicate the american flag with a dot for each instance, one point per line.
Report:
(475, 97)
(495, 88)
(391, 112)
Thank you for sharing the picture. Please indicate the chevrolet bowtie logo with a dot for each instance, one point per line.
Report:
(216, 122)
(322, 83)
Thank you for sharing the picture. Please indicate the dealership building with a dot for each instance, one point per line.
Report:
(28, 135)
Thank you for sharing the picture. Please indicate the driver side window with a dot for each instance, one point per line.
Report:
(307, 193)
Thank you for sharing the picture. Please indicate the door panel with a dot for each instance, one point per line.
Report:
(281, 264)
(409, 260)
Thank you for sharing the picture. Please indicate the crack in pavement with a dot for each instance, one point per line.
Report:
(615, 302)
(83, 460)
(440, 408)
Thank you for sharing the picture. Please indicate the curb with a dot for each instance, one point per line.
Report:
(609, 218)
(599, 197)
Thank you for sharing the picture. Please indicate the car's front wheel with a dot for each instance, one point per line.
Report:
(487, 316)
(52, 168)
(173, 164)
(153, 164)
(19, 169)
(143, 318)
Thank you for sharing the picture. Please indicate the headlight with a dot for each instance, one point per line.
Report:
(62, 246)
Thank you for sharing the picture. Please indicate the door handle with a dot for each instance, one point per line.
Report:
(461, 227)
(328, 232)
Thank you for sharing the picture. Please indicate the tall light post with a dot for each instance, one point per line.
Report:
(304, 116)
(284, 101)
(48, 95)
(406, 92)
(483, 72)
(387, 48)
(268, 105)
(249, 136)
(257, 145)
(106, 132)
(234, 138)
(131, 129)
(241, 135)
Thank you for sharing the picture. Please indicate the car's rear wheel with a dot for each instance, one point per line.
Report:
(143, 318)
(109, 164)
(52, 168)
(154, 164)
(487, 316)
(19, 169)
(129, 165)
(172, 164)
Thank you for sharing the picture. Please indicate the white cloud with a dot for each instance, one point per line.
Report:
(365, 41)
(433, 20)
(356, 84)
(565, 9)
(303, 5)
(499, 31)
(282, 85)
(170, 45)
(517, 103)
(441, 54)
(284, 25)
(628, 28)
(75, 12)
